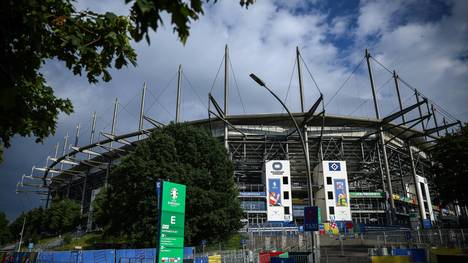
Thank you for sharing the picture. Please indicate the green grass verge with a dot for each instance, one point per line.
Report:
(231, 243)
(89, 240)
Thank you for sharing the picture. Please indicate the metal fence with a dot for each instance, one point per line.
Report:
(448, 238)
(349, 248)
(354, 247)
(249, 256)
(280, 240)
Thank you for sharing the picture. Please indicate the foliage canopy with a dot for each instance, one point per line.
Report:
(5, 234)
(451, 167)
(35, 31)
(181, 154)
(61, 217)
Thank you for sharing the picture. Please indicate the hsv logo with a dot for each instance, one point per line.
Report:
(334, 166)
(277, 166)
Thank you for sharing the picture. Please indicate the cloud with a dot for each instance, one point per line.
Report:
(429, 51)
(429, 54)
(340, 25)
(376, 16)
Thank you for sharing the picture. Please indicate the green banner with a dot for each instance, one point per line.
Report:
(171, 221)
(366, 194)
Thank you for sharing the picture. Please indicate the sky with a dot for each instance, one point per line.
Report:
(425, 42)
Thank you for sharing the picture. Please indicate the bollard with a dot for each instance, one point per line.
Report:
(463, 237)
(317, 255)
(283, 241)
(341, 245)
(440, 236)
(300, 237)
(243, 253)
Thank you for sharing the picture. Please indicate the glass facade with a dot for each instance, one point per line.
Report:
(253, 205)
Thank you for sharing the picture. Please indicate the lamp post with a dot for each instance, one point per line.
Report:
(22, 233)
(304, 147)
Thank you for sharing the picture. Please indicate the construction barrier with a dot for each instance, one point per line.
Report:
(146, 255)
(201, 260)
(214, 259)
(417, 255)
(452, 255)
(78, 256)
(6, 256)
(282, 260)
(390, 259)
(135, 255)
(25, 257)
(265, 257)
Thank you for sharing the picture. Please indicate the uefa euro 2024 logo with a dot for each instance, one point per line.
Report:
(174, 194)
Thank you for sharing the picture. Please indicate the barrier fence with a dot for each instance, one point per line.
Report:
(261, 247)
(414, 255)
(146, 255)
(449, 238)
(302, 241)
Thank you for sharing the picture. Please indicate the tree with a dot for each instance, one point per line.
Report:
(35, 31)
(181, 154)
(33, 227)
(450, 158)
(63, 216)
(5, 235)
(15, 227)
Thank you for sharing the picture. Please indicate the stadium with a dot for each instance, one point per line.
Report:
(386, 159)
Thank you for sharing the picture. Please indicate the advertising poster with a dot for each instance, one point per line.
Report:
(335, 198)
(340, 193)
(274, 194)
(278, 191)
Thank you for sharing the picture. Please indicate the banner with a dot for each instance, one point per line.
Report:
(367, 194)
(274, 192)
(278, 192)
(171, 221)
(334, 197)
(340, 193)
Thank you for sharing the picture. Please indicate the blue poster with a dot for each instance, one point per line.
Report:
(341, 197)
(311, 218)
(427, 224)
(274, 192)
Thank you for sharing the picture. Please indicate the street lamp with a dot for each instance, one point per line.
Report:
(304, 147)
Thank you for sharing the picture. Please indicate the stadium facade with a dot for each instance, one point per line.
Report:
(388, 167)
